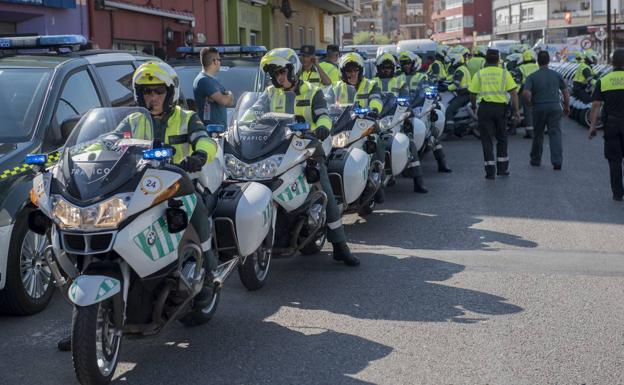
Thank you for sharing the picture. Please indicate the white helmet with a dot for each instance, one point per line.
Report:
(456, 59)
(409, 56)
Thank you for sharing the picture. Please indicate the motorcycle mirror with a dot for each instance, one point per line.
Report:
(299, 127)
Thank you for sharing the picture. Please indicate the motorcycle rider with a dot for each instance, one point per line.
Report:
(584, 77)
(156, 88)
(366, 95)
(461, 81)
(290, 94)
(527, 67)
(477, 61)
(410, 67)
(388, 82)
(437, 69)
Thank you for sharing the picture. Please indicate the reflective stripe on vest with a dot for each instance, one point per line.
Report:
(302, 102)
(393, 85)
(493, 81)
(613, 81)
(465, 81)
(413, 81)
(343, 96)
(442, 69)
(311, 77)
(176, 133)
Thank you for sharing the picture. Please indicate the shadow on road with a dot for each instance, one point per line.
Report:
(248, 347)
(430, 232)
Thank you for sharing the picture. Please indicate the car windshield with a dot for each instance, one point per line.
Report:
(105, 150)
(237, 79)
(22, 91)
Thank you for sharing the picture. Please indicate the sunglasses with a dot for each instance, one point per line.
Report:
(155, 90)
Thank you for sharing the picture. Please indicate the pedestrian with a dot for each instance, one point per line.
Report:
(542, 94)
(609, 94)
(330, 63)
(312, 73)
(525, 69)
(491, 85)
(211, 98)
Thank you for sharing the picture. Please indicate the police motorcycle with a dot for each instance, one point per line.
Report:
(354, 174)
(123, 250)
(276, 150)
(431, 113)
(465, 118)
(396, 112)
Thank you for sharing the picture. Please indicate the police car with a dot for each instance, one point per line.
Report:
(240, 70)
(46, 84)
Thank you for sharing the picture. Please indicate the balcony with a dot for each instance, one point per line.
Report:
(520, 27)
(334, 7)
(557, 18)
(497, 4)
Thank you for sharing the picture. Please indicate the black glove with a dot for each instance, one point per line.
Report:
(194, 162)
(321, 133)
(373, 114)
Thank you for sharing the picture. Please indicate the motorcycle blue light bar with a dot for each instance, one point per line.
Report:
(239, 49)
(299, 126)
(361, 111)
(36, 159)
(215, 128)
(402, 100)
(158, 154)
(18, 42)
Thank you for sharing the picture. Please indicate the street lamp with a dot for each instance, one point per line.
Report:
(168, 35)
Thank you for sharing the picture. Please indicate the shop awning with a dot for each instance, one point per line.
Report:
(177, 15)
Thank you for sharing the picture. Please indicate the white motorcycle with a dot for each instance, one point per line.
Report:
(354, 174)
(275, 150)
(465, 118)
(117, 213)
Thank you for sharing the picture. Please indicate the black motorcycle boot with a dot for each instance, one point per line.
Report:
(64, 344)
(204, 297)
(343, 254)
(419, 185)
(441, 159)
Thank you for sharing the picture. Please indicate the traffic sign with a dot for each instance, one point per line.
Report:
(586, 44)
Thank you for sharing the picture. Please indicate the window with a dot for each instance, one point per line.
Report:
(253, 38)
(301, 36)
(288, 35)
(454, 23)
(117, 80)
(78, 97)
(137, 46)
(468, 21)
(311, 36)
(453, 4)
(527, 14)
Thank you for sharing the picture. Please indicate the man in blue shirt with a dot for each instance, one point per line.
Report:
(211, 98)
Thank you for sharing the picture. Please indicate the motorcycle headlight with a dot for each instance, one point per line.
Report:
(384, 123)
(262, 170)
(107, 214)
(341, 140)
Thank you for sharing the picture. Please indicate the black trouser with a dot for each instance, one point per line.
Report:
(454, 105)
(202, 222)
(614, 152)
(491, 119)
(579, 91)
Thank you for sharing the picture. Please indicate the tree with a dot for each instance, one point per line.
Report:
(364, 37)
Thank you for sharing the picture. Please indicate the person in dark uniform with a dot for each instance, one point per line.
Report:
(609, 94)
(491, 85)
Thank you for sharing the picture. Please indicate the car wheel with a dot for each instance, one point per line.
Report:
(29, 285)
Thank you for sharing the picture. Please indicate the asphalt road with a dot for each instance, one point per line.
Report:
(513, 281)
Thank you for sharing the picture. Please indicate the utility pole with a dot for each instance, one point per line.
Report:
(609, 36)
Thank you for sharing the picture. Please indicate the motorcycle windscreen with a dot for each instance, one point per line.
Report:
(256, 132)
(105, 150)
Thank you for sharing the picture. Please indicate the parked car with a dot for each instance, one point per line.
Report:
(240, 71)
(48, 83)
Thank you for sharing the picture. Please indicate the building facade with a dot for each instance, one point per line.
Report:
(44, 17)
(167, 24)
(455, 21)
(247, 22)
(412, 19)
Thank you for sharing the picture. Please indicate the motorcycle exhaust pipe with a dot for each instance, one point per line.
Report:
(59, 280)
(224, 270)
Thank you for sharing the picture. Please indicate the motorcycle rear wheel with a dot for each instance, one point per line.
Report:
(95, 343)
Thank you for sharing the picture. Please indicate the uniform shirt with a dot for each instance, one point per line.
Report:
(437, 69)
(527, 69)
(545, 86)
(395, 85)
(311, 76)
(583, 74)
(414, 80)
(209, 111)
(610, 90)
(331, 70)
(492, 84)
(366, 94)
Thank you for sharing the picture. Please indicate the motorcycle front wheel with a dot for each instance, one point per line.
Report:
(255, 271)
(95, 343)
